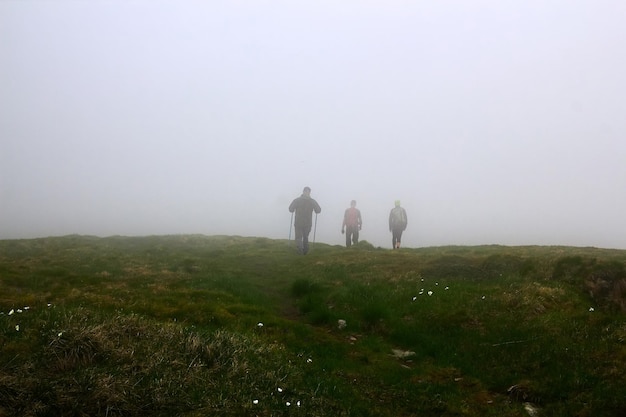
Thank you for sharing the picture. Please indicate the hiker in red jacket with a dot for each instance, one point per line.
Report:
(351, 224)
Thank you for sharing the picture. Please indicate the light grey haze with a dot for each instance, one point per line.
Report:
(494, 122)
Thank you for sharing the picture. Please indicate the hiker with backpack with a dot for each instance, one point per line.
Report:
(351, 224)
(304, 206)
(397, 224)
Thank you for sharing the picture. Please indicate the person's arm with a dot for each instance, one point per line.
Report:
(292, 206)
(317, 207)
(343, 225)
(360, 220)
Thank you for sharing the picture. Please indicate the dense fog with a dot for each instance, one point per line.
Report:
(492, 122)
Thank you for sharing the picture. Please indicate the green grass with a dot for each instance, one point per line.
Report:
(225, 325)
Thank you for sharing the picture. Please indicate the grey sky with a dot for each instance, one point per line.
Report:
(495, 122)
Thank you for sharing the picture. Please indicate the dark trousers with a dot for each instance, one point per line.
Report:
(352, 235)
(302, 239)
(396, 237)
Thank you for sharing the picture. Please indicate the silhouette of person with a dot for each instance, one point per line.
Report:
(351, 224)
(303, 206)
(397, 224)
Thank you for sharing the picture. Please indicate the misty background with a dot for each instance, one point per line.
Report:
(493, 122)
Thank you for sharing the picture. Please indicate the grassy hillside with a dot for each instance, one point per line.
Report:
(232, 326)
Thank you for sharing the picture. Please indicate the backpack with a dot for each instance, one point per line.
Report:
(398, 216)
(351, 217)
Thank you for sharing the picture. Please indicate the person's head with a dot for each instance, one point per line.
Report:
(353, 203)
(306, 191)
(397, 203)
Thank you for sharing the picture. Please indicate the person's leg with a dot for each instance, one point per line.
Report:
(305, 240)
(355, 236)
(348, 236)
(396, 238)
(399, 238)
(299, 235)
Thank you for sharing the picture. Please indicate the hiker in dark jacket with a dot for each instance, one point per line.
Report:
(351, 224)
(397, 224)
(303, 206)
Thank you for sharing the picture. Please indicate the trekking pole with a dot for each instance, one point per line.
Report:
(290, 226)
(315, 229)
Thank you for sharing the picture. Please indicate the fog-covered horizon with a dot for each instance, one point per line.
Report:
(493, 122)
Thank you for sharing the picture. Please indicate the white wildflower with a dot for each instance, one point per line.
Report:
(255, 402)
(591, 309)
(288, 404)
(309, 360)
(430, 293)
(414, 298)
(17, 327)
(341, 324)
(259, 325)
(447, 288)
(298, 403)
(11, 312)
(280, 389)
